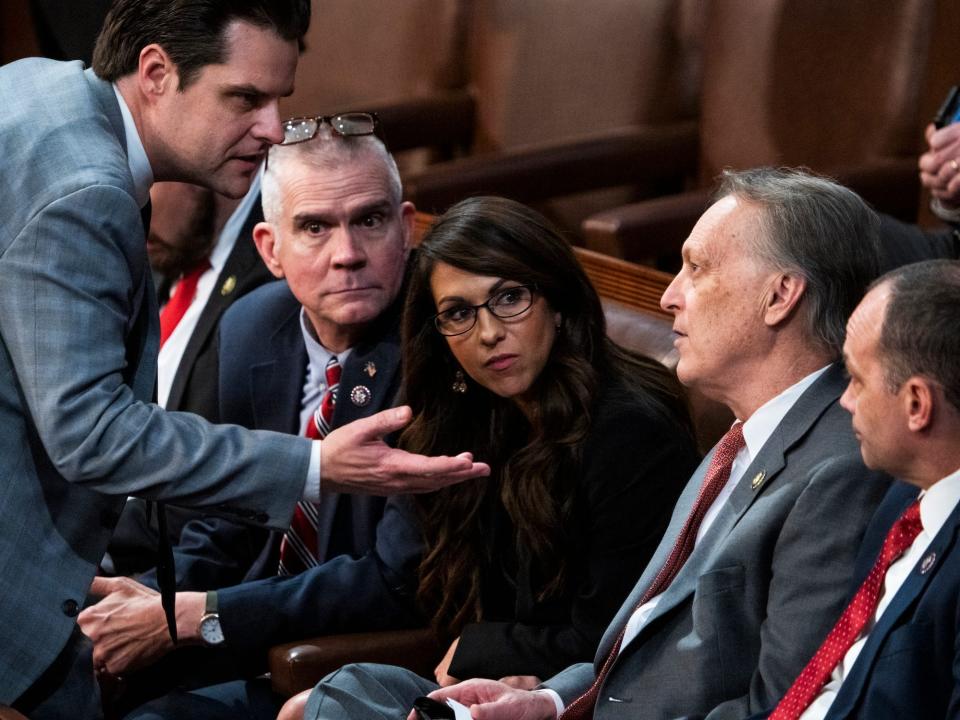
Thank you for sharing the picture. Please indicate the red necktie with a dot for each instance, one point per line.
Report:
(183, 295)
(717, 475)
(852, 622)
(298, 549)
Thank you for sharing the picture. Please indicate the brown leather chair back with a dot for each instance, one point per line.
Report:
(812, 82)
(543, 70)
(368, 53)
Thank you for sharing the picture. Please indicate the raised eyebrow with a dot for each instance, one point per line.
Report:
(494, 288)
(301, 219)
(380, 206)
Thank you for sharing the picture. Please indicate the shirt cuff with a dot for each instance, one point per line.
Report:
(311, 488)
(555, 696)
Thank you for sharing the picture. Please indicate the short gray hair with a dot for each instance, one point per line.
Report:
(327, 151)
(921, 327)
(820, 230)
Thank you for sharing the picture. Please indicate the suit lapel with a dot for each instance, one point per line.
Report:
(912, 588)
(770, 461)
(370, 371)
(242, 266)
(276, 400)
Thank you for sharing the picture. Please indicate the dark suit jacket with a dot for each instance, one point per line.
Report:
(902, 243)
(910, 665)
(761, 588)
(263, 364)
(634, 467)
(195, 383)
(134, 543)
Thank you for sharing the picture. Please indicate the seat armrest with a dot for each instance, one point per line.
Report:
(300, 665)
(646, 230)
(617, 157)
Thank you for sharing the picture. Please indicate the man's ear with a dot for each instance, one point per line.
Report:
(156, 72)
(784, 295)
(919, 396)
(408, 216)
(266, 240)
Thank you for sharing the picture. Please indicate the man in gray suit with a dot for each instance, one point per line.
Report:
(754, 565)
(182, 90)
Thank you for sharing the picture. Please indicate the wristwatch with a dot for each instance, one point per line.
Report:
(210, 631)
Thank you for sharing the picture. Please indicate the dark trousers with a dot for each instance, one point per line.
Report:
(68, 689)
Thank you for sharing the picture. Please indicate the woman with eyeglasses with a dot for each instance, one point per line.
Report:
(505, 353)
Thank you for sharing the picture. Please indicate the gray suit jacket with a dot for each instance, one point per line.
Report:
(762, 587)
(78, 346)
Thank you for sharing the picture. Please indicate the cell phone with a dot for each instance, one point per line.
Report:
(949, 111)
(430, 709)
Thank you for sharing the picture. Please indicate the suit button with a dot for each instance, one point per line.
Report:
(70, 608)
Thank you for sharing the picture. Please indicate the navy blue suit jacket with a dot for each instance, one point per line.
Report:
(909, 667)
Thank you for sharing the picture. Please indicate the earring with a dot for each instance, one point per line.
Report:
(459, 383)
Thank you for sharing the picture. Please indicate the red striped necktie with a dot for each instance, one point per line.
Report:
(716, 477)
(298, 549)
(852, 622)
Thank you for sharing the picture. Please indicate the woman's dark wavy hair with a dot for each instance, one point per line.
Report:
(535, 462)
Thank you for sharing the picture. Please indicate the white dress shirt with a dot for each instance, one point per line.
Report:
(757, 429)
(936, 504)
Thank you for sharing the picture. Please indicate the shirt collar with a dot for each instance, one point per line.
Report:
(758, 428)
(938, 502)
(137, 158)
(317, 354)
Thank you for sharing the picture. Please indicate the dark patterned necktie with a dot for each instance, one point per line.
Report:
(298, 549)
(852, 622)
(716, 477)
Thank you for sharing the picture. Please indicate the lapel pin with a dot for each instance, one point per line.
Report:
(927, 563)
(370, 369)
(758, 480)
(360, 396)
(228, 285)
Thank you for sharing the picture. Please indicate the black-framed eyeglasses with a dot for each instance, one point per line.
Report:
(506, 303)
(349, 124)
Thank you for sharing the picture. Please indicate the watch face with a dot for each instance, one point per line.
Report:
(210, 631)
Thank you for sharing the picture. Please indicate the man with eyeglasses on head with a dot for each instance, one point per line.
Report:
(337, 232)
(184, 90)
(202, 242)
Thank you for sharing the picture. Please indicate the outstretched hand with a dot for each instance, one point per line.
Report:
(355, 459)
